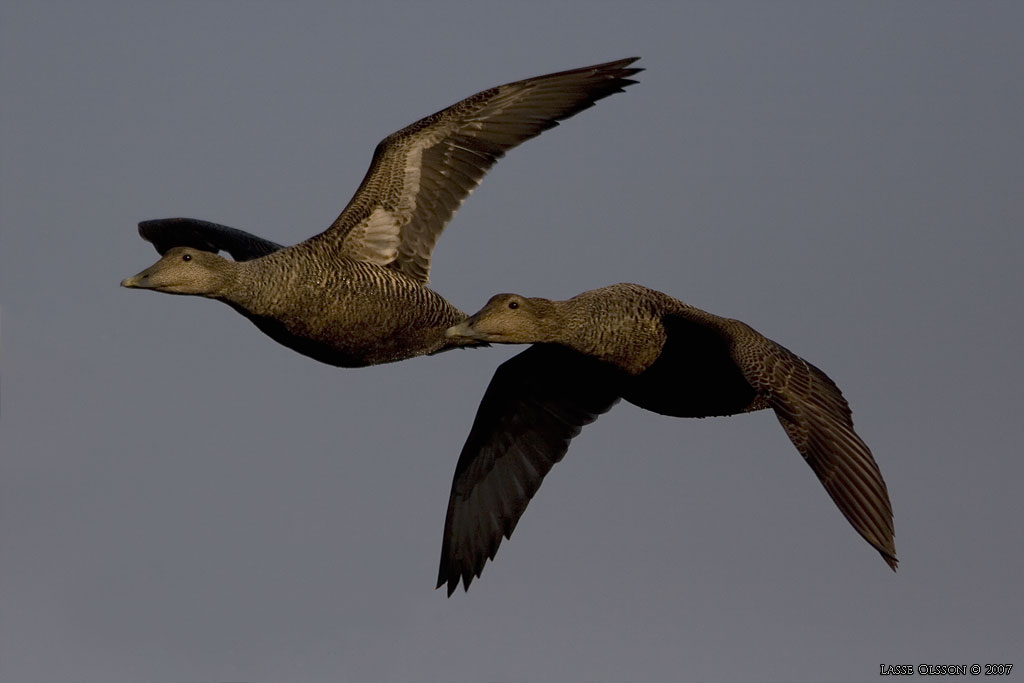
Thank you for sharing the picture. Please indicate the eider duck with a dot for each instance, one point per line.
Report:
(356, 294)
(630, 342)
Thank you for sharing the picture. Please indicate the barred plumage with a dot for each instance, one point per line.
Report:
(356, 293)
(633, 343)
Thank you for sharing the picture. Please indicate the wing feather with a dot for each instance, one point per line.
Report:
(167, 233)
(819, 422)
(420, 175)
(535, 404)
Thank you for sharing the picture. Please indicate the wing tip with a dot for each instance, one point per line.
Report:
(621, 68)
(450, 580)
(890, 559)
(618, 64)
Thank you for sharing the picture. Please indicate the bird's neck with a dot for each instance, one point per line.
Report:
(245, 285)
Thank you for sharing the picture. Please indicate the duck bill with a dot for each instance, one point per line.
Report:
(136, 281)
(142, 279)
(463, 330)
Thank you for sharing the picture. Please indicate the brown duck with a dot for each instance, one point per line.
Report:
(356, 294)
(633, 343)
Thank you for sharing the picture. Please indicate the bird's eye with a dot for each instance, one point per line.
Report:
(186, 257)
(513, 305)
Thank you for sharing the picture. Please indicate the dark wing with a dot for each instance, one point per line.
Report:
(167, 233)
(819, 423)
(420, 175)
(535, 404)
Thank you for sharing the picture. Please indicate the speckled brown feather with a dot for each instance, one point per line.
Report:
(662, 355)
(342, 312)
(356, 294)
(420, 175)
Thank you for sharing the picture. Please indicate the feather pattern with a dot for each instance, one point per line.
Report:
(420, 175)
(627, 341)
(357, 294)
(819, 422)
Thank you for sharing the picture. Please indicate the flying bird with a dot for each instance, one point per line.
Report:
(356, 294)
(658, 353)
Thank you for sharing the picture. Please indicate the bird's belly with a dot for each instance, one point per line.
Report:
(351, 318)
(349, 345)
(695, 388)
(352, 339)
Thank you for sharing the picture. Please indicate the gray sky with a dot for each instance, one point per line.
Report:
(181, 499)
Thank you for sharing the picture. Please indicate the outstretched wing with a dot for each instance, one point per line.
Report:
(819, 423)
(167, 233)
(535, 404)
(420, 175)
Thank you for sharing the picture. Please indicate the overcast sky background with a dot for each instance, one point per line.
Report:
(182, 500)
